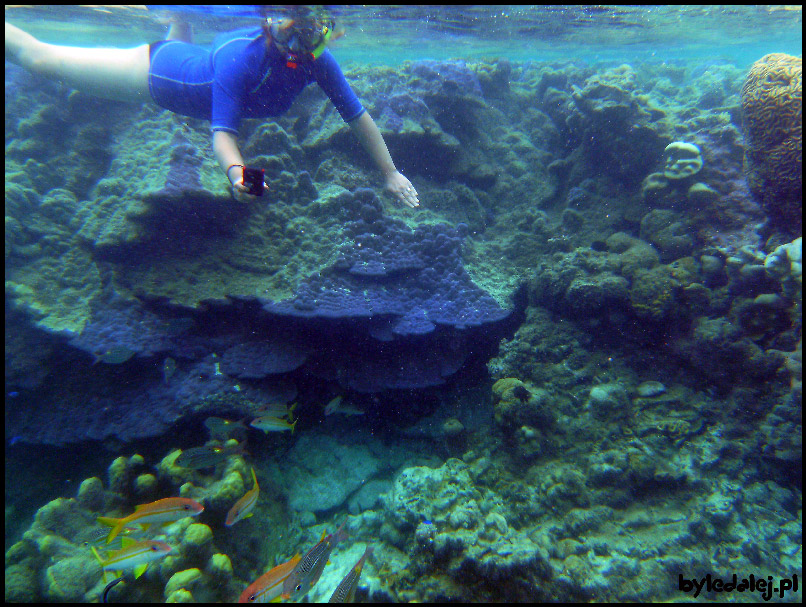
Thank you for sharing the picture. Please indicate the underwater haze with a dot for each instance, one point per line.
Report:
(573, 373)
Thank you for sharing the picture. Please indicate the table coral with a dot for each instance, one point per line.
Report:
(772, 100)
(384, 268)
(259, 359)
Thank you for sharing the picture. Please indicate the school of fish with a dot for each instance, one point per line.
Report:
(288, 581)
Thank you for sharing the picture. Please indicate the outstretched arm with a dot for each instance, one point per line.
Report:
(225, 148)
(371, 139)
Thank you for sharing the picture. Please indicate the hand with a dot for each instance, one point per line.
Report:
(401, 188)
(241, 193)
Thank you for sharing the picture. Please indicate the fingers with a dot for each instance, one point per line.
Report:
(409, 197)
(241, 193)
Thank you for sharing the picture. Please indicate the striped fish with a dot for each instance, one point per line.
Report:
(222, 429)
(206, 456)
(345, 592)
(98, 535)
(309, 569)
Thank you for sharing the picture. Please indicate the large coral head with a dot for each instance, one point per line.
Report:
(772, 103)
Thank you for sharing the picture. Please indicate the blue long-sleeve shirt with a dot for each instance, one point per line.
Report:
(241, 76)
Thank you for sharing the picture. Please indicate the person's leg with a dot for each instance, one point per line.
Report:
(110, 73)
(179, 30)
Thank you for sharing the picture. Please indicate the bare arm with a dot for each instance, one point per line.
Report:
(372, 141)
(225, 148)
(227, 153)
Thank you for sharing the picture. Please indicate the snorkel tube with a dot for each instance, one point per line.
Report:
(327, 32)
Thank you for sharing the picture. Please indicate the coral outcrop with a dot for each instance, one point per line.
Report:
(642, 341)
(772, 103)
(683, 160)
(54, 561)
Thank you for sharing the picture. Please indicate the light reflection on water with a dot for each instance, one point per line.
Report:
(390, 35)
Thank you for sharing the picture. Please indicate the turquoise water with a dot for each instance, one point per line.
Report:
(389, 36)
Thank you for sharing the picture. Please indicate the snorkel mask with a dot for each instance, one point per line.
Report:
(300, 40)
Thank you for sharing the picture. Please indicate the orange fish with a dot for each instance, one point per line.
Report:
(162, 511)
(243, 507)
(268, 587)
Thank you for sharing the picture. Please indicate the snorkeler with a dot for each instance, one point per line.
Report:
(248, 73)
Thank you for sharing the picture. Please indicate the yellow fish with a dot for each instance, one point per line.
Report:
(243, 507)
(269, 423)
(162, 511)
(134, 555)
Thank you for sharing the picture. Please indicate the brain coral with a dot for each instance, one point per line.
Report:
(772, 100)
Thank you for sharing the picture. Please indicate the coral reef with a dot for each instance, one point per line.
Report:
(259, 359)
(197, 568)
(406, 290)
(578, 362)
(602, 107)
(785, 263)
(772, 101)
(385, 269)
(682, 160)
(461, 539)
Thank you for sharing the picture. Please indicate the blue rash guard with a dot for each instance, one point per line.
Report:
(240, 77)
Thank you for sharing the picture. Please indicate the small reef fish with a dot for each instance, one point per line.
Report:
(345, 591)
(335, 406)
(332, 406)
(133, 555)
(98, 535)
(114, 356)
(222, 429)
(268, 587)
(309, 569)
(269, 423)
(205, 456)
(243, 507)
(162, 511)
